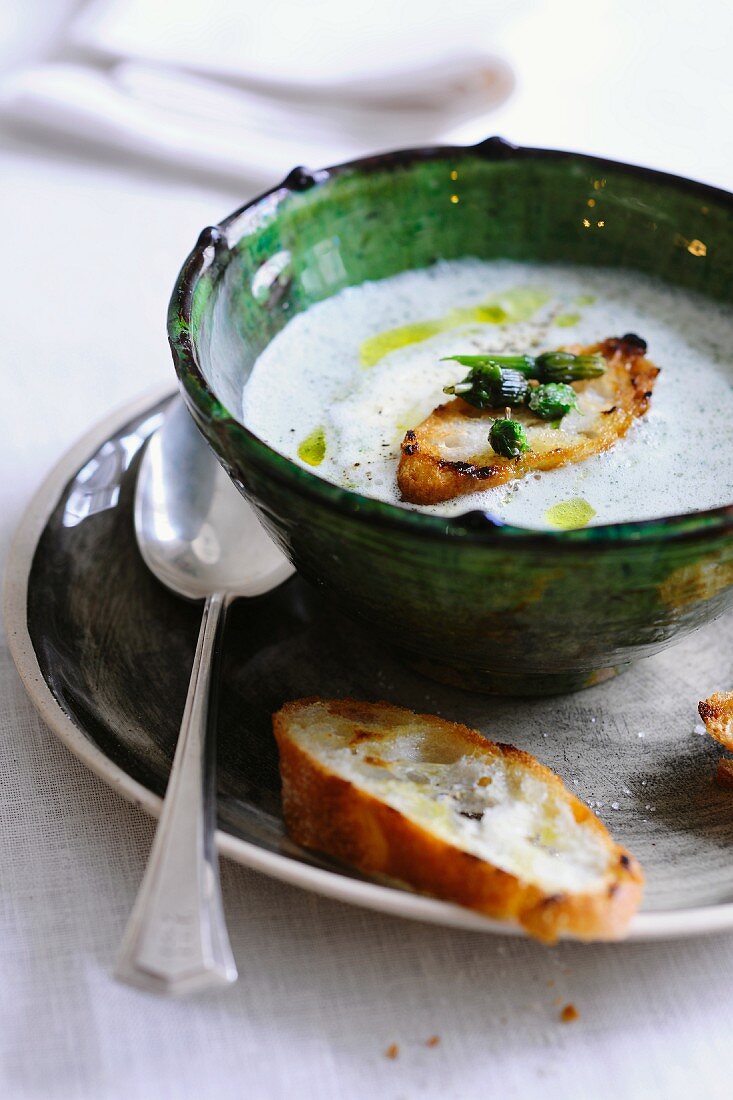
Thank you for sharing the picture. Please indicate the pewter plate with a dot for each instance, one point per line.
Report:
(105, 652)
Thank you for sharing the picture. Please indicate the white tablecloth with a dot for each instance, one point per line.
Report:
(90, 248)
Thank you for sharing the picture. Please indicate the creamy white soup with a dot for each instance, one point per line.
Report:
(337, 389)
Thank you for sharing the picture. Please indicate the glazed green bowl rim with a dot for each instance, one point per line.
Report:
(474, 526)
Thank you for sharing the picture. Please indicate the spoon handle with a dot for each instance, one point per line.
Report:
(176, 939)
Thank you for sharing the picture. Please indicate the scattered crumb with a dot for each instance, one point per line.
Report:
(724, 774)
(484, 781)
(568, 1014)
(614, 805)
(640, 734)
(699, 728)
(392, 1051)
(433, 1041)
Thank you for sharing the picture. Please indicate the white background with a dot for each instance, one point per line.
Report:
(91, 244)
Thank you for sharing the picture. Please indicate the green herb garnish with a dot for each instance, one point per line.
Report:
(563, 366)
(508, 438)
(552, 400)
(496, 380)
(551, 366)
(523, 363)
(488, 385)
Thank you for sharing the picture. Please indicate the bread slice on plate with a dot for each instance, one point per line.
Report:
(438, 807)
(717, 715)
(449, 453)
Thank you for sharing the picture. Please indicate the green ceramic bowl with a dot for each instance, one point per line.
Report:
(494, 608)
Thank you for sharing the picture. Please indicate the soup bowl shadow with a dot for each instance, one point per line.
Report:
(466, 599)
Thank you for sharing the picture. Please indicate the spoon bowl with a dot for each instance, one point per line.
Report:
(194, 530)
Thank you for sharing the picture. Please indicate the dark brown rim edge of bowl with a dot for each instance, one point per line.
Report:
(475, 525)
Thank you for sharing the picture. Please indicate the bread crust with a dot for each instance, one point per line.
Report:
(425, 476)
(717, 714)
(326, 812)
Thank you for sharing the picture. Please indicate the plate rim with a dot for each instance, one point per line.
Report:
(654, 925)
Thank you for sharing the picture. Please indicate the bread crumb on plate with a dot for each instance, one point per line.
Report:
(724, 774)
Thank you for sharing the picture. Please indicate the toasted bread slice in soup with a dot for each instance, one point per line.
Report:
(439, 807)
(449, 453)
(717, 715)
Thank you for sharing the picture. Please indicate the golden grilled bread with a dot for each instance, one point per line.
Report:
(449, 454)
(438, 807)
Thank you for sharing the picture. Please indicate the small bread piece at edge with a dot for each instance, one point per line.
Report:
(717, 714)
(327, 812)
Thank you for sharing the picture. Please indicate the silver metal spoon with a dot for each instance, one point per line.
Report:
(201, 539)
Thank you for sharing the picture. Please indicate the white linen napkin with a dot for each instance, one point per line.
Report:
(245, 90)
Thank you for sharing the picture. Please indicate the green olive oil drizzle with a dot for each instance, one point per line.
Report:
(513, 306)
(569, 515)
(313, 448)
(567, 320)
